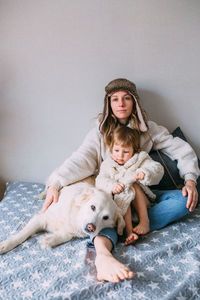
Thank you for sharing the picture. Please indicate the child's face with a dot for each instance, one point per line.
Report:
(121, 154)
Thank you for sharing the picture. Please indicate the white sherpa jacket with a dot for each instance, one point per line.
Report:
(111, 173)
(89, 156)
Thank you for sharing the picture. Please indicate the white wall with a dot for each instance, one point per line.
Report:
(57, 56)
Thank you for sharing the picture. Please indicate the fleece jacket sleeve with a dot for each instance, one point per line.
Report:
(81, 164)
(176, 149)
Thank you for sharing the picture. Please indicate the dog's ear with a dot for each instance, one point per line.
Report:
(84, 196)
(120, 222)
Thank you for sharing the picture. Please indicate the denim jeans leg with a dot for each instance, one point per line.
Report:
(170, 207)
(110, 233)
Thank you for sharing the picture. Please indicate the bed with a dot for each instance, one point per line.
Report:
(166, 262)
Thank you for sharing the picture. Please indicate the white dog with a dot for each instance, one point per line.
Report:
(82, 210)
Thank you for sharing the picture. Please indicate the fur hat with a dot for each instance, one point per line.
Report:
(122, 84)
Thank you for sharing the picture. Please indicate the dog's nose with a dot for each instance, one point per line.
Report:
(90, 227)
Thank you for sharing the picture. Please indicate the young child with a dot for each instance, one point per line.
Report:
(119, 173)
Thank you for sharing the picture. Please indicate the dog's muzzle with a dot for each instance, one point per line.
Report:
(90, 227)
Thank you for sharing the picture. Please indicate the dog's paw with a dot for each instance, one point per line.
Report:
(4, 247)
(47, 241)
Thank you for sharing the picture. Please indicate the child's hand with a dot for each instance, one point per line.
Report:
(118, 188)
(139, 175)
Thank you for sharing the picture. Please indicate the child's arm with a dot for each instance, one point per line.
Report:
(118, 188)
(153, 171)
(139, 175)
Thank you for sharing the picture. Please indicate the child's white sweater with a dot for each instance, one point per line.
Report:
(111, 173)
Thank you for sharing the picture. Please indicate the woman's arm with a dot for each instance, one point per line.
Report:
(51, 196)
(81, 164)
(176, 149)
(187, 162)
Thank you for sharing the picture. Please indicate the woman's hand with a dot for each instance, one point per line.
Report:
(190, 190)
(118, 188)
(52, 196)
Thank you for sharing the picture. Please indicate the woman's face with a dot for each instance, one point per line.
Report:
(122, 105)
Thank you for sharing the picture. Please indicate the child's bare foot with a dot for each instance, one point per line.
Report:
(142, 228)
(110, 269)
(131, 238)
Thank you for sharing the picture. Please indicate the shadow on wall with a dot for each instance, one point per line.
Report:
(158, 108)
(6, 126)
(2, 188)
(167, 112)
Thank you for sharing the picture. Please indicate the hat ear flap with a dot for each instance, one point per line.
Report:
(142, 125)
(106, 112)
(107, 107)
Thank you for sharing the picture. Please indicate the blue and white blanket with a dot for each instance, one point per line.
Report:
(166, 262)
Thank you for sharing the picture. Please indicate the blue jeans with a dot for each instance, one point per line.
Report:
(170, 207)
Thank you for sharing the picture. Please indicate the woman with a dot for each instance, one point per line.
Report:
(121, 106)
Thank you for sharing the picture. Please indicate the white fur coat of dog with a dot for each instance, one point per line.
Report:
(82, 210)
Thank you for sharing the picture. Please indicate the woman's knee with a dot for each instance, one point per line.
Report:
(170, 204)
(173, 195)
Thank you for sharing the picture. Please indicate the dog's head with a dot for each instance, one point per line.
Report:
(98, 211)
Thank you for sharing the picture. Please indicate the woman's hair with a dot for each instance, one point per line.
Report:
(126, 137)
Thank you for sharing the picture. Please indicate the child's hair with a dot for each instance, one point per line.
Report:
(127, 137)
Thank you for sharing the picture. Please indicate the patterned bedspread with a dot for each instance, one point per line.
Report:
(166, 262)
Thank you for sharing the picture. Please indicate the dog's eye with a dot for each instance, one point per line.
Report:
(105, 217)
(93, 207)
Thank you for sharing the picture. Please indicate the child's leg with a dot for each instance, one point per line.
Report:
(131, 236)
(140, 204)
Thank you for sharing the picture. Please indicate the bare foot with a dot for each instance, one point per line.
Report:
(131, 238)
(110, 269)
(142, 228)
